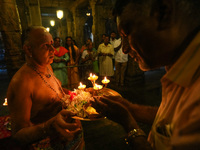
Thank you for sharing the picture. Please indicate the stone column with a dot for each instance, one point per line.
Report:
(69, 21)
(10, 27)
(95, 22)
(78, 25)
(23, 9)
(35, 14)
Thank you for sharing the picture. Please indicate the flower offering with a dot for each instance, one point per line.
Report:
(76, 102)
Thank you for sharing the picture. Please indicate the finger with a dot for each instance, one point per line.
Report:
(114, 98)
(99, 103)
(64, 133)
(100, 107)
(66, 113)
(71, 134)
(65, 125)
(106, 101)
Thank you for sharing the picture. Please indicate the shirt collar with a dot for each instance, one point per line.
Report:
(187, 66)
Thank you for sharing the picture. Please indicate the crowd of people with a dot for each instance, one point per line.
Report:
(72, 65)
(158, 33)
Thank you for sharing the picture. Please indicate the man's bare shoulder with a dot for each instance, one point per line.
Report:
(24, 77)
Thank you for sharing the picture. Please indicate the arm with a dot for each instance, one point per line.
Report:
(116, 49)
(77, 54)
(120, 114)
(20, 105)
(142, 113)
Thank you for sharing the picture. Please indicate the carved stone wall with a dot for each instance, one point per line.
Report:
(10, 28)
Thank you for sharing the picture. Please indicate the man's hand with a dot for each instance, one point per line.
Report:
(115, 111)
(67, 127)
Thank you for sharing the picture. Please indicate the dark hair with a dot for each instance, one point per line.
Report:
(119, 7)
(188, 8)
(103, 35)
(88, 44)
(106, 35)
(112, 32)
(72, 47)
(56, 38)
(89, 39)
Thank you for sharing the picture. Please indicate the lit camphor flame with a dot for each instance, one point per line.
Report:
(105, 81)
(93, 77)
(97, 87)
(5, 102)
(81, 86)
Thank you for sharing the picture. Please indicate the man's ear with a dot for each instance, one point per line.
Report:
(164, 11)
(27, 50)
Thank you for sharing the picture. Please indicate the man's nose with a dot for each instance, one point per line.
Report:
(51, 48)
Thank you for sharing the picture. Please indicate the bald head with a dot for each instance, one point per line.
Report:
(32, 33)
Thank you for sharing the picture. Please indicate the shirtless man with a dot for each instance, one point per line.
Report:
(34, 95)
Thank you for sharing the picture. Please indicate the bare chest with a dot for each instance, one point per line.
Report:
(46, 98)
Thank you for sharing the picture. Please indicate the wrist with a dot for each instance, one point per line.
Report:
(48, 127)
(130, 124)
(133, 134)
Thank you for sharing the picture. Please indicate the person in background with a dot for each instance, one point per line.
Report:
(74, 42)
(35, 102)
(113, 38)
(73, 74)
(84, 47)
(105, 52)
(112, 42)
(121, 60)
(161, 33)
(89, 56)
(102, 38)
(60, 61)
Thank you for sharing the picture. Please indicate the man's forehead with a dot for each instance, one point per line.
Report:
(40, 34)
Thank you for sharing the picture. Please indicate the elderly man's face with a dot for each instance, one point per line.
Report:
(139, 29)
(42, 46)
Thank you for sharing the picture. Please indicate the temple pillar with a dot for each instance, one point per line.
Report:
(35, 13)
(78, 25)
(95, 21)
(23, 9)
(10, 27)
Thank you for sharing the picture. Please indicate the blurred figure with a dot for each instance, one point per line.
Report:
(73, 74)
(88, 58)
(121, 60)
(84, 47)
(105, 52)
(102, 38)
(61, 58)
(112, 42)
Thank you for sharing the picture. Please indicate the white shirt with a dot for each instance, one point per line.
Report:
(179, 110)
(120, 56)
